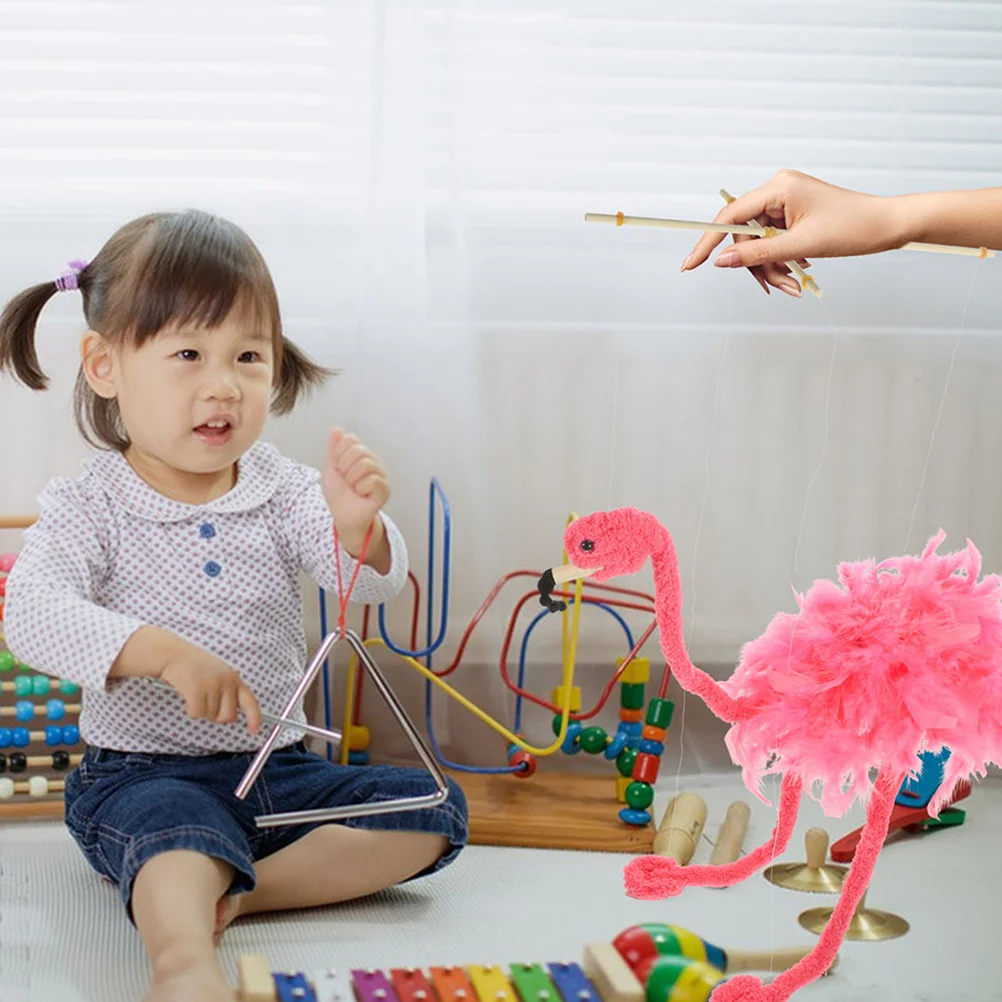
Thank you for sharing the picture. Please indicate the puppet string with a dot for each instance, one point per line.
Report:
(615, 413)
(942, 405)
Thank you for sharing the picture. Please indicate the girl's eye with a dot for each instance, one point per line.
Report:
(188, 355)
(250, 356)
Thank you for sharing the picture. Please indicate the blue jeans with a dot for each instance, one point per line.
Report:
(124, 808)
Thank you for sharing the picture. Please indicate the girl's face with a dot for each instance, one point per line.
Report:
(193, 400)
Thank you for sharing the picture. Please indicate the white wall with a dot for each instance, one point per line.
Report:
(417, 175)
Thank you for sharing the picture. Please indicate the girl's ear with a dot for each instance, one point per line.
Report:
(98, 364)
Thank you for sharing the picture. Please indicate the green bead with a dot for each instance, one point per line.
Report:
(631, 695)
(22, 686)
(68, 688)
(693, 978)
(639, 795)
(40, 684)
(625, 760)
(659, 713)
(593, 740)
(556, 723)
(6, 661)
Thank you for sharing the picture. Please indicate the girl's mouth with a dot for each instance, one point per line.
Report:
(214, 432)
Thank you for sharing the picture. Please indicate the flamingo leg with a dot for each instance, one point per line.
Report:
(878, 813)
(659, 877)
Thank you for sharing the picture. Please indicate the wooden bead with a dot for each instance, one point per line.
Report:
(626, 760)
(524, 759)
(593, 740)
(645, 768)
(639, 795)
(659, 713)
(631, 716)
(631, 695)
(652, 733)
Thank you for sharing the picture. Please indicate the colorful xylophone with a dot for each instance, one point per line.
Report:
(652, 962)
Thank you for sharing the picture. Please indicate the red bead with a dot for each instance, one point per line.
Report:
(3, 587)
(523, 757)
(645, 768)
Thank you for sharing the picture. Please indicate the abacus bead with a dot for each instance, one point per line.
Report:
(6, 661)
(22, 738)
(24, 709)
(651, 747)
(53, 735)
(616, 745)
(639, 795)
(22, 686)
(594, 739)
(6, 737)
(71, 734)
(625, 762)
(354, 757)
(38, 786)
(60, 760)
(524, 759)
(631, 695)
(55, 709)
(570, 745)
(18, 762)
(68, 688)
(645, 769)
(3, 763)
(6, 788)
(40, 684)
(668, 973)
(659, 712)
(634, 817)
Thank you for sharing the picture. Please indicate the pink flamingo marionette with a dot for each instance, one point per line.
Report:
(898, 658)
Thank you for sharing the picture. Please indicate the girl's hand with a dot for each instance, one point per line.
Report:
(822, 220)
(356, 487)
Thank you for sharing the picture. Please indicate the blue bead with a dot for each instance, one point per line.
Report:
(55, 709)
(206, 530)
(570, 745)
(53, 736)
(71, 734)
(651, 747)
(212, 568)
(632, 729)
(21, 737)
(634, 817)
(615, 746)
(358, 758)
(5, 737)
(24, 709)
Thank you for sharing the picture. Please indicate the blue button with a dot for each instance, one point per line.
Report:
(212, 568)
(206, 530)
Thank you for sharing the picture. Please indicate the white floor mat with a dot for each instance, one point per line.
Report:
(64, 936)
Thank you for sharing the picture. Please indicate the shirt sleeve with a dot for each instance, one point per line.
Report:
(309, 528)
(52, 621)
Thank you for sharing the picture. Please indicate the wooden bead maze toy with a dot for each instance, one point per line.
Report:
(652, 962)
(39, 725)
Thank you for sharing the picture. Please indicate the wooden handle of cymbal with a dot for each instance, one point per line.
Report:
(816, 847)
(732, 834)
(681, 826)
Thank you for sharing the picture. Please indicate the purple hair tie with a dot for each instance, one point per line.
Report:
(68, 279)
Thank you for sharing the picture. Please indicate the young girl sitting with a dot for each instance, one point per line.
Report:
(175, 558)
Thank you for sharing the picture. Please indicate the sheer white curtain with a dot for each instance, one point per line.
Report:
(417, 175)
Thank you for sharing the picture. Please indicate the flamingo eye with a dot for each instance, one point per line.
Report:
(587, 545)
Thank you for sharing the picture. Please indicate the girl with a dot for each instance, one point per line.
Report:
(176, 557)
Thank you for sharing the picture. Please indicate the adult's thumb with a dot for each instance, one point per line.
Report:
(786, 246)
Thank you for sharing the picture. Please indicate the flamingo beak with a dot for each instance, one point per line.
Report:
(555, 576)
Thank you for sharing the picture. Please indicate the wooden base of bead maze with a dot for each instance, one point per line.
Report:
(552, 810)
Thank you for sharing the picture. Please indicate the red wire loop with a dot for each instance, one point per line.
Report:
(344, 597)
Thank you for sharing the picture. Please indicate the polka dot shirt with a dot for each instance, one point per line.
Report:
(110, 554)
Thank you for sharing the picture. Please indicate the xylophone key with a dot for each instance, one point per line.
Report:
(293, 988)
(490, 984)
(411, 985)
(452, 984)
(572, 983)
(331, 985)
(532, 983)
(373, 986)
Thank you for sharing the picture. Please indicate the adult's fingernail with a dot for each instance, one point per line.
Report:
(729, 259)
(791, 286)
(686, 263)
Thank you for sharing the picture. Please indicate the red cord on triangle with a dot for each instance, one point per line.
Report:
(342, 596)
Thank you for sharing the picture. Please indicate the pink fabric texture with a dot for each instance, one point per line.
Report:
(897, 658)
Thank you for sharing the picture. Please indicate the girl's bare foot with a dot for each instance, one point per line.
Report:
(199, 979)
(227, 909)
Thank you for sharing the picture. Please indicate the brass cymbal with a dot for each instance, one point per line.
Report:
(815, 876)
(868, 925)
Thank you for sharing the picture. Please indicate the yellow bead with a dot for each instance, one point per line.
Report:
(622, 782)
(557, 698)
(358, 738)
(637, 671)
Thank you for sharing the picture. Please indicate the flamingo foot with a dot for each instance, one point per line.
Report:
(650, 878)
(742, 988)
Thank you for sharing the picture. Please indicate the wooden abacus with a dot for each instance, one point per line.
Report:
(34, 757)
(652, 962)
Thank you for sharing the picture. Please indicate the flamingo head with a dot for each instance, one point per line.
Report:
(602, 545)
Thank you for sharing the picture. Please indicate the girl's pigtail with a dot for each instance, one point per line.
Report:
(17, 335)
(297, 376)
